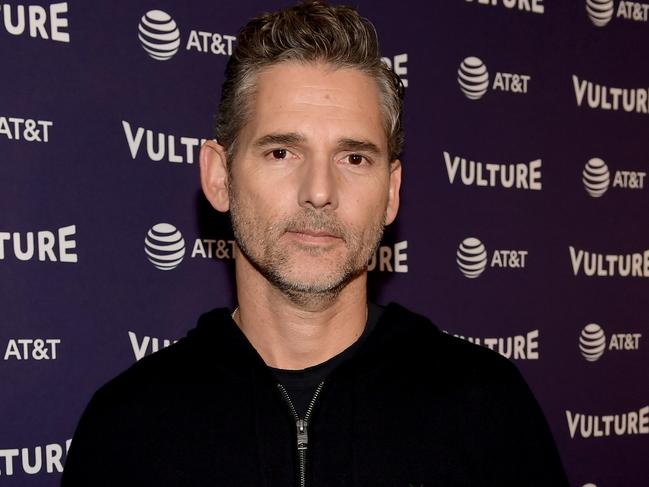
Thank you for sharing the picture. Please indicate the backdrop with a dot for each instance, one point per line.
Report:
(523, 226)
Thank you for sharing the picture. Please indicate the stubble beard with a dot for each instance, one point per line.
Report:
(260, 244)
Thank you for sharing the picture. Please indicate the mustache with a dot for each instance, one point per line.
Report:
(309, 220)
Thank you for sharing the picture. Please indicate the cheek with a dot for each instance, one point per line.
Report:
(366, 212)
(265, 188)
(263, 208)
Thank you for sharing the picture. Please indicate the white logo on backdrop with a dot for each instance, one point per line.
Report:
(390, 258)
(48, 458)
(159, 35)
(600, 12)
(164, 246)
(398, 65)
(32, 348)
(602, 97)
(29, 129)
(596, 426)
(147, 345)
(534, 6)
(476, 173)
(608, 265)
(515, 347)
(36, 20)
(160, 146)
(592, 342)
(160, 38)
(596, 177)
(473, 78)
(44, 245)
(471, 257)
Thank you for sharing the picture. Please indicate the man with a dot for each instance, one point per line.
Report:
(305, 383)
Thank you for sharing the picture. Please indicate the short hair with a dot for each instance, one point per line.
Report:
(309, 32)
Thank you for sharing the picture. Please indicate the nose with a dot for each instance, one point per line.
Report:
(318, 185)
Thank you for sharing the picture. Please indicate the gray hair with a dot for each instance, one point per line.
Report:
(308, 32)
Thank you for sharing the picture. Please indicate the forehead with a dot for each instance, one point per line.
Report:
(317, 99)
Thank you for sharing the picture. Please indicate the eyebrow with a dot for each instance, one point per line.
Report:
(358, 145)
(290, 138)
(295, 138)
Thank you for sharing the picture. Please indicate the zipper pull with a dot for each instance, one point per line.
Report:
(302, 435)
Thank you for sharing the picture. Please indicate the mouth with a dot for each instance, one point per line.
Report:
(317, 237)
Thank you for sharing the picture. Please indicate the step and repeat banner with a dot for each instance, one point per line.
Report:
(523, 227)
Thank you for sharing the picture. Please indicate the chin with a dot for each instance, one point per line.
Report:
(316, 281)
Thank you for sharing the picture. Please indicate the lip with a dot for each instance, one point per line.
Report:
(313, 236)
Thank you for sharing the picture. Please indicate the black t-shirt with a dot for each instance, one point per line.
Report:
(301, 384)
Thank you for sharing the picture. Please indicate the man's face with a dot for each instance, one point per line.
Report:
(311, 185)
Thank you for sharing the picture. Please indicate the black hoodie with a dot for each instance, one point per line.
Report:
(413, 407)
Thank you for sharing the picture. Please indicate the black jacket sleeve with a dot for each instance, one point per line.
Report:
(97, 453)
(522, 451)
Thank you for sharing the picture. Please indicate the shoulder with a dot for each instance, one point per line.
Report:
(480, 392)
(182, 362)
(472, 380)
(422, 346)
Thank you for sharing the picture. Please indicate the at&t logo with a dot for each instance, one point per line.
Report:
(597, 178)
(472, 258)
(473, 78)
(160, 37)
(592, 342)
(30, 348)
(601, 12)
(164, 246)
(29, 129)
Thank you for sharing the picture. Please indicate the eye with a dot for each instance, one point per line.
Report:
(355, 159)
(279, 153)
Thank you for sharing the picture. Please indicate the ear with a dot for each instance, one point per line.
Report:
(214, 175)
(393, 191)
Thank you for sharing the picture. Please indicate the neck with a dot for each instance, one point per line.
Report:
(293, 334)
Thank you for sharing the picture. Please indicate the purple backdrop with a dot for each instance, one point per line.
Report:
(523, 225)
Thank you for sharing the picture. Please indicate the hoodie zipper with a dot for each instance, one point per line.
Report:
(301, 429)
